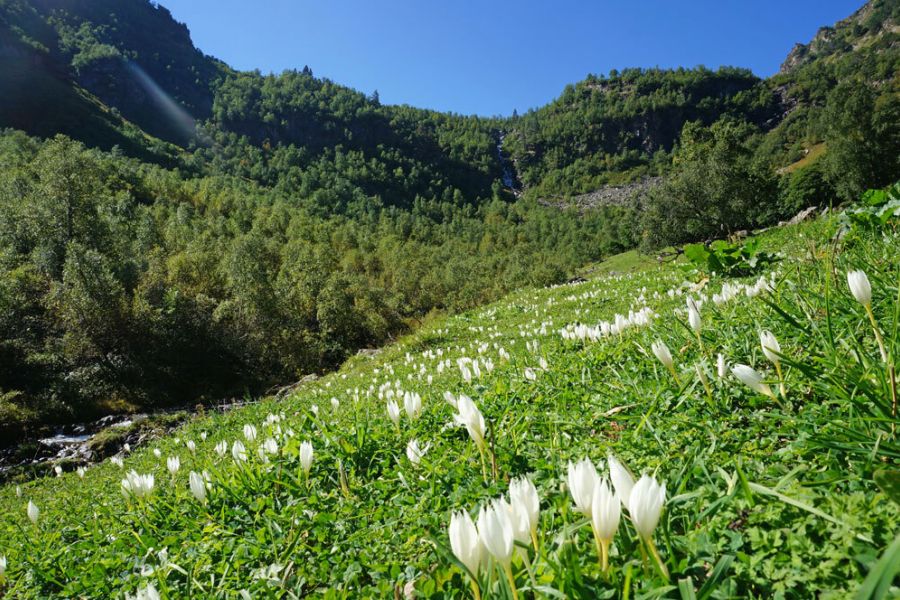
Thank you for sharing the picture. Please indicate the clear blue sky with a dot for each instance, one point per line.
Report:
(489, 57)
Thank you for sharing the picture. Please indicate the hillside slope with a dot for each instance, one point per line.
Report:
(766, 495)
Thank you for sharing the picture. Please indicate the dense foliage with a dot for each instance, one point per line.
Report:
(124, 282)
(609, 129)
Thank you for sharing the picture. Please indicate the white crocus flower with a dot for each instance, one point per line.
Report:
(495, 530)
(582, 477)
(752, 379)
(860, 287)
(721, 366)
(524, 496)
(621, 477)
(306, 456)
(645, 507)
(465, 543)
(393, 411)
(606, 510)
(198, 486)
(862, 291)
(238, 451)
(415, 453)
(33, 512)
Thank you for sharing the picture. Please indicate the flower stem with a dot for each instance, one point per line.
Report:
(884, 356)
(475, 591)
(483, 467)
(602, 553)
(659, 562)
(781, 380)
(675, 376)
(507, 568)
(528, 568)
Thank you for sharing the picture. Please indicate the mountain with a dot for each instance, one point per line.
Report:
(173, 230)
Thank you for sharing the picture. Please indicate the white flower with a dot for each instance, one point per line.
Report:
(414, 452)
(315, 409)
(191, 446)
(523, 496)
(270, 446)
(335, 404)
(203, 435)
(860, 287)
(33, 512)
(2, 565)
(752, 379)
(412, 403)
(198, 486)
(770, 346)
(645, 505)
(622, 480)
(471, 418)
(306, 456)
(146, 593)
(58, 470)
(464, 541)
(80, 471)
(238, 451)
(694, 315)
(495, 530)
(662, 353)
(157, 452)
(721, 366)
(530, 375)
(393, 412)
(606, 509)
(450, 399)
(221, 448)
(139, 486)
(250, 432)
(582, 478)
(173, 463)
(117, 460)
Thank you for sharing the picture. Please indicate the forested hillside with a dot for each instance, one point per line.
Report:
(199, 232)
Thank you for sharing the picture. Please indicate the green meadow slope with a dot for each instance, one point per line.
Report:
(766, 497)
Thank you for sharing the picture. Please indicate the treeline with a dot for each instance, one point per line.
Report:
(125, 284)
(609, 129)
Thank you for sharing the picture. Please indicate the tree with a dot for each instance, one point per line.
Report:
(863, 139)
(715, 190)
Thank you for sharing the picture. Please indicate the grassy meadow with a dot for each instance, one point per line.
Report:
(787, 489)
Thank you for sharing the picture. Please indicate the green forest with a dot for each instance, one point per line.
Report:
(242, 230)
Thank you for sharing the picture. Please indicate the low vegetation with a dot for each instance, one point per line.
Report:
(778, 457)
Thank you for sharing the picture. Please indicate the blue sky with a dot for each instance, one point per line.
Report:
(489, 57)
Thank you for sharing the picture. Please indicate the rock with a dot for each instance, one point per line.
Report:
(610, 195)
(803, 215)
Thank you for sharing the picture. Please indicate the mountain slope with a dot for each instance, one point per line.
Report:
(766, 496)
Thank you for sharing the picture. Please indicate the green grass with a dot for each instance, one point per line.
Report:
(815, 152)
(766, 499)
(625, 262)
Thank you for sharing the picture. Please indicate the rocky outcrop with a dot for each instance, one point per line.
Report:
(844, 36)
(610, 195)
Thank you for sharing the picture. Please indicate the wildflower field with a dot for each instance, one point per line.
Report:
(666, 433)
